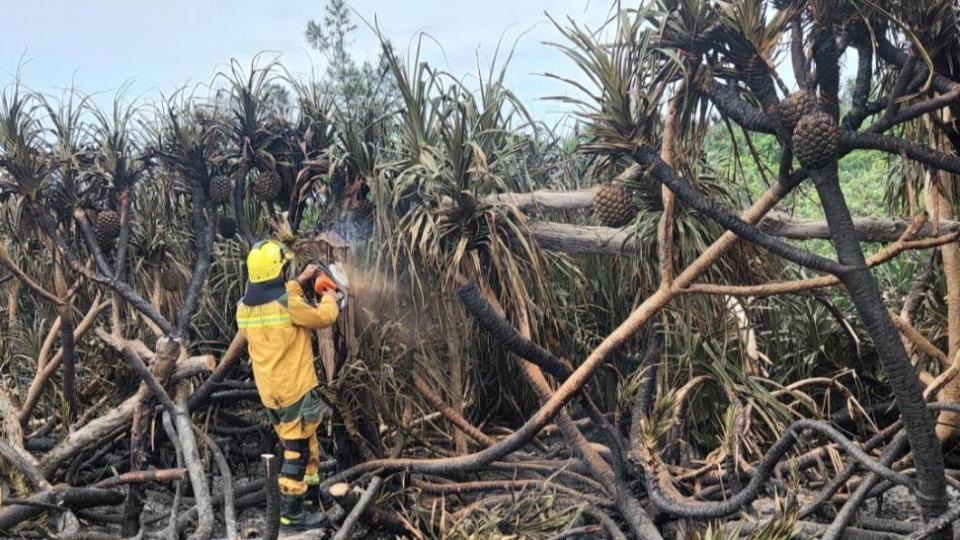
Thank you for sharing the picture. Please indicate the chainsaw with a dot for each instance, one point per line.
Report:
(331, 277)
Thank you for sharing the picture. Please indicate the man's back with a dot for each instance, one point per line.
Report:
(278, 337)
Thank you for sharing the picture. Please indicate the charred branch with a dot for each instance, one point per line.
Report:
(136, 363)
(826, 54)
(69, 498)
(897, 146)
(900, 87)
(203, 249)
(894, 55)
(861, 89)
(239, 195)
(508, 336)
(798, 58)
(731, 105)
(24, 462)
(689, 194)
(126, 231)
(764, 470)
(227, 362)
(229, 498)
(846, 514)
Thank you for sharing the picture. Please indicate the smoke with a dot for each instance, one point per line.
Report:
(350, 229)
(377, 299)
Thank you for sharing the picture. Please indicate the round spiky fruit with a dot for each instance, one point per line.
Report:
(171, 280)
(227, 227)
(268, 185)
(613, 205)
(107, 227)
(793, 107)
(221, 189)
(815, 140)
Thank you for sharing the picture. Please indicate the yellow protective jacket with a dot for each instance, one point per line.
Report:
(278, 340)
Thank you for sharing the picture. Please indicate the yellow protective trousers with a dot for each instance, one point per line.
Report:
(296, 426)
(301, 457)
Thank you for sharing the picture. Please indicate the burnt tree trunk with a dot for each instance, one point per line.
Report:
(866, 296)
(67, 342)
(133, 505)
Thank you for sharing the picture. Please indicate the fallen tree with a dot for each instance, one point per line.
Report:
(593, 239)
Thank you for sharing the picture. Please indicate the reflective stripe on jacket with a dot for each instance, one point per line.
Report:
(278, 340)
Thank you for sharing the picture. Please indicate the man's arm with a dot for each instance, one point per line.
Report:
(303, 313)
(236, 317)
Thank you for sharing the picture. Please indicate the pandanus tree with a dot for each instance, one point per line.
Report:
(83, 179)
(245, 123)
(545, 320)
(30, 172)
(309, 155)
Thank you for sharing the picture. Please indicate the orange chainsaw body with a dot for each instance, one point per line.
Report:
(323, 283)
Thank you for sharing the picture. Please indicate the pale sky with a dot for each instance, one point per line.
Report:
(159, 46)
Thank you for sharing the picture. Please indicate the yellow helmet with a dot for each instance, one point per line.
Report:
(266, 261)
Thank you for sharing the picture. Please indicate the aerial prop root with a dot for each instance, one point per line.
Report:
(879, 472)
(658, 478)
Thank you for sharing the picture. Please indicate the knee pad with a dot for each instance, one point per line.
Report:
(295, 454)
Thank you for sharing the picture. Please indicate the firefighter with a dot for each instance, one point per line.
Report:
(276, 320)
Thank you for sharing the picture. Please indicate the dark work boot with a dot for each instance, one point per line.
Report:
(293, 515)
(311, 500)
